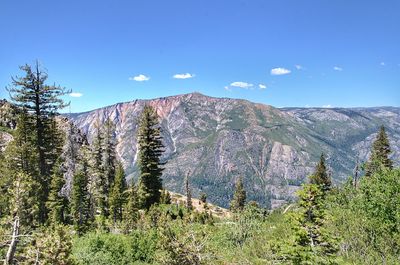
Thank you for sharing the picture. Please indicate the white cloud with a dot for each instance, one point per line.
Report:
(183, 76)
(280, 71)
(75, 94)
(242, 85)
(227, 88)
(262, 86)
(337, 68)
(299, 67)
(139, 78)
(383, 63)
(327, 106)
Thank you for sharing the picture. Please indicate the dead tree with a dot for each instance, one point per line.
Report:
(188, 191)
(12, 247)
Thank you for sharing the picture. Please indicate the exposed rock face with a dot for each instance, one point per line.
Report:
(7, 123)
(220, 139)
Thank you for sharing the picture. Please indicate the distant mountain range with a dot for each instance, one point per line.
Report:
(274, 149)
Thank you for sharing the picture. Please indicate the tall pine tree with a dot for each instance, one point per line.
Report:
(41, 102)
(108, 164)
(380, 154)
(98, 180)
(150, 151)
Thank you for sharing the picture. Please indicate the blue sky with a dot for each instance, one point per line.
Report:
(284, 53)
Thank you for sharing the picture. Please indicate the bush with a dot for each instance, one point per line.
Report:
(115, 249)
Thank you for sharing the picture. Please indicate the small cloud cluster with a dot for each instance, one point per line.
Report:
(240, 84)
(75, 94)
(327, 106)
(183, 76)
(244, 85)
(337, 68)
(262, 86)
(139, 78)
(299, 67)
(280, 71)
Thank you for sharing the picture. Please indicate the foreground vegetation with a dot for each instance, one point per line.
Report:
(97, 218)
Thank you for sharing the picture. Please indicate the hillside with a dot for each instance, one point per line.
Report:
(201, 207)
(220, 139)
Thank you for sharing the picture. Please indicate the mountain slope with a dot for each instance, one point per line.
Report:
(220, 139)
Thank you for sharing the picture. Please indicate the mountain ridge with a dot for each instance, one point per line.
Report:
(229, 98)
(220, 139)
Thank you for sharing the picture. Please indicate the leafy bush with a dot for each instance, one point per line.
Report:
(115, 249)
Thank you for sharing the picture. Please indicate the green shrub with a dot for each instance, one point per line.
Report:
(115, 249)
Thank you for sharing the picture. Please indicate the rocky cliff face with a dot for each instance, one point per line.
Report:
(220, 139)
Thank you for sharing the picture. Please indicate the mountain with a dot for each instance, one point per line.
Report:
(220, 139)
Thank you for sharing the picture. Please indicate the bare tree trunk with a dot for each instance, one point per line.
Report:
(13, 244)
(189, 204)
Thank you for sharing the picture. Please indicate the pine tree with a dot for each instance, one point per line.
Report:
(131, 211)
(320, 176)
(19, 156)
(239, 197)
(100, 180)
(150, 151)
(118, 194)
(97, 148)
(96, 181)
(55, 138)
(311, 243)
(84, 158)
(108, 164)
(109, 156)
(80, 200)
(380, 154)
(189, 204)
(57, 203)
(41, 102)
